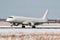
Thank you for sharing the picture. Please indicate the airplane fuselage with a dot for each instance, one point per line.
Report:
(24, 19)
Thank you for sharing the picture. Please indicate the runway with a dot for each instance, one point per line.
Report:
(30, 27)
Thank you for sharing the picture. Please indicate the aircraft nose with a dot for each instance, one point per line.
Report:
(9, 19)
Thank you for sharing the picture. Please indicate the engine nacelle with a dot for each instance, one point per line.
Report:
(25, 23)
(15, 24)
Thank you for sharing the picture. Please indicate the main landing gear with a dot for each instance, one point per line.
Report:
(30, 24)
(23, 26)
(33, 26)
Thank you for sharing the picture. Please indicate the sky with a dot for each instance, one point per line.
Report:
(30, 8)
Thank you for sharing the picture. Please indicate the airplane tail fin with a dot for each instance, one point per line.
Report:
(45, 15)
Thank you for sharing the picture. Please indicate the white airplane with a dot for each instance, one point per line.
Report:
(16, 20)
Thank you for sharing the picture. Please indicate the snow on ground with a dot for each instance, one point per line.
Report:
(8, 31)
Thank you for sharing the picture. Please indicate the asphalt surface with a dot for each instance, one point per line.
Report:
(30, 28)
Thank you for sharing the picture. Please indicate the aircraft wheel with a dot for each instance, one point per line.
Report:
(33, 26)
(23, 26)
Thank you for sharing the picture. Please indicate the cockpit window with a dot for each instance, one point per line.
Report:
(10, 17)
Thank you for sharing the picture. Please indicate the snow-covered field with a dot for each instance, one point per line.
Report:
(9, 31)
(29, 34)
